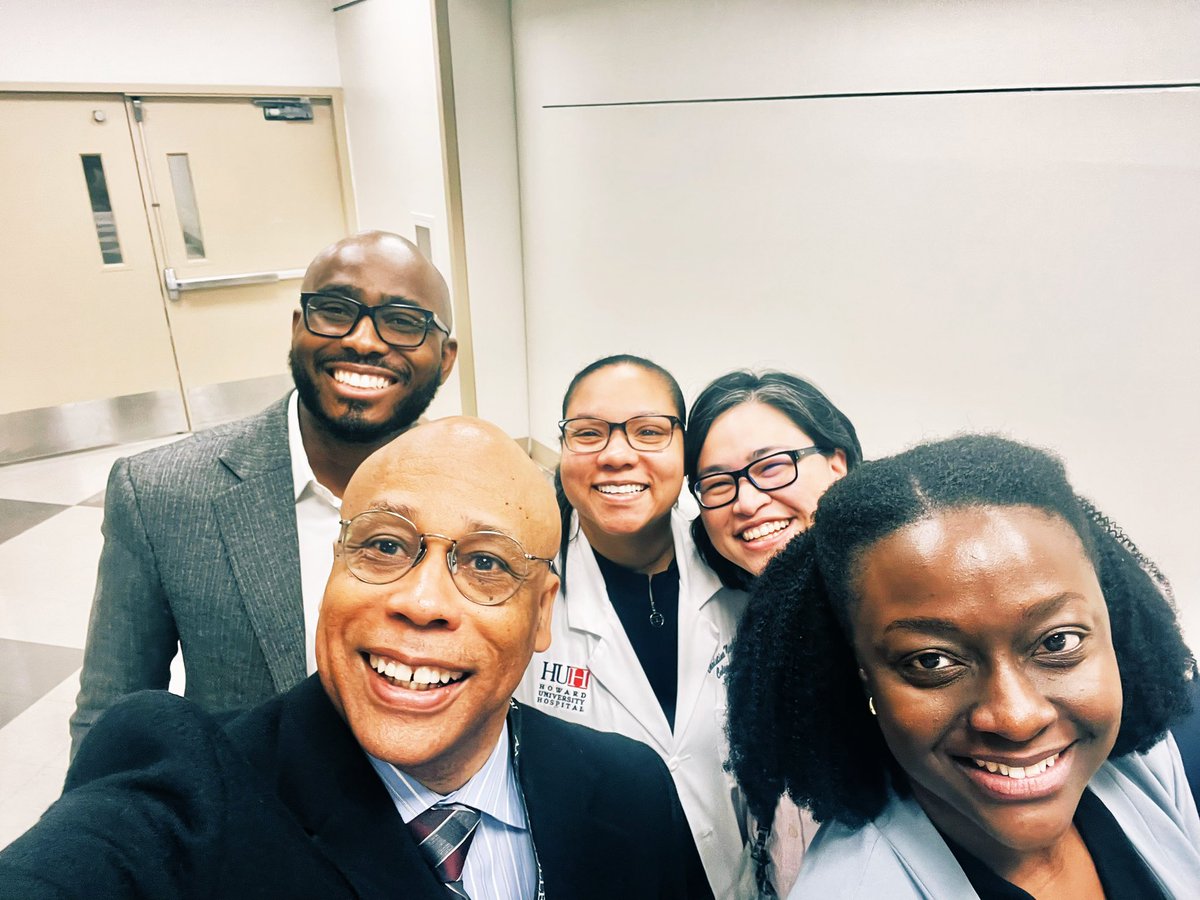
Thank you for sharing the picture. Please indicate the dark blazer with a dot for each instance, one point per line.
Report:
(200, 552)
(161, 802)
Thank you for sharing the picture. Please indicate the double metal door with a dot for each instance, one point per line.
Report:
(154, 246)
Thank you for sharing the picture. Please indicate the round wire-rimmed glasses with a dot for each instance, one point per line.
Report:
(769, 473)
(379, 546)
(401, 325)
(585, 434)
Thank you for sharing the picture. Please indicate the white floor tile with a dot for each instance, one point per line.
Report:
(70, 478)
(20, 811)
(33, 752)
(40, 735)
(49, 574)
(15, 775)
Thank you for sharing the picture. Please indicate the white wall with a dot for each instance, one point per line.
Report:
(389, 82)
(1023, 262)
(389, 65)
(194, 42)
(481, 50)
(605, 50)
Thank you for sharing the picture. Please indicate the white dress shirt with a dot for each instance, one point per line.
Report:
(318, 512)
(500, 861)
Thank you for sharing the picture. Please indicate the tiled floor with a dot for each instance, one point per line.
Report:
(50, 514)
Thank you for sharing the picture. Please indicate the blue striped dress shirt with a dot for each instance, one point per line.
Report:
(501, 862)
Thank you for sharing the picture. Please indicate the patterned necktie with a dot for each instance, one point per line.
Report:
(443, 833)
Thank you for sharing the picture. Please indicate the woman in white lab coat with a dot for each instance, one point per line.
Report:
(641, 625)
(761, 449)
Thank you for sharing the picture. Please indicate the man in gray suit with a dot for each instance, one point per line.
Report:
(220, 544)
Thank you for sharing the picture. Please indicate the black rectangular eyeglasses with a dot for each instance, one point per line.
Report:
(769, 473)
(398, 324)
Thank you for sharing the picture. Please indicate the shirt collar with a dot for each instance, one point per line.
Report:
(302, 473)
(493, 790)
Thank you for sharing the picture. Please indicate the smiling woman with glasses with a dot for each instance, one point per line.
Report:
(760, 451)
(640, 622)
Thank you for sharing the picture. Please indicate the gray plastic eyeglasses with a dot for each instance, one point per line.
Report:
(584, 434)
(379, 546)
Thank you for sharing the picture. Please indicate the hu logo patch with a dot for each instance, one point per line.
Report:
(564, 687)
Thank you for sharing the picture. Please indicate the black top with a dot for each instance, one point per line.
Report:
(1123, 874)
(656, 647)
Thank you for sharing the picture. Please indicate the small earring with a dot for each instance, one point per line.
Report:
(871, 705)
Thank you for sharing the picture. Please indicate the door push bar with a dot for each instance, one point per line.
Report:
(176, 286)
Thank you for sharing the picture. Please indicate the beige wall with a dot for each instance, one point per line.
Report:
(1023, 262)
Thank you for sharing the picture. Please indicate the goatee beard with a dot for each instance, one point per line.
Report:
(351, 426)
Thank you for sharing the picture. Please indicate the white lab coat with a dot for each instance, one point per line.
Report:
(591, 675)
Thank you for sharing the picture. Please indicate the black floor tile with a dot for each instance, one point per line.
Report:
(12, 705)
(17, 516)
(29, 671)
(97, 501)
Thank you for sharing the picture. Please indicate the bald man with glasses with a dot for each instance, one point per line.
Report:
(403, 768)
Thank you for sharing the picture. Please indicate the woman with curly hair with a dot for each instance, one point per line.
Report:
(966, 672)
(760, 451)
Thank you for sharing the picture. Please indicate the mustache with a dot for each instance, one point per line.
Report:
(377, 360)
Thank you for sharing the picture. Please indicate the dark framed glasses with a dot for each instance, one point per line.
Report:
(379, 546)
(770, 473)
(397, 324)
(587, 435)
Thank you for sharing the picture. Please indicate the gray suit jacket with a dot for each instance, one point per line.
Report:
(900, 854)
(200, 552)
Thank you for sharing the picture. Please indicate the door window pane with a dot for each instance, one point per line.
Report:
(185, 204)
(424, 240)
(102, 214)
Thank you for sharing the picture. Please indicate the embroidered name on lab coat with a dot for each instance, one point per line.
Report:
(720, 663)
(560, 686)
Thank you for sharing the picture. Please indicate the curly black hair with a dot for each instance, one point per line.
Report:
(798, 717)
(799, 400)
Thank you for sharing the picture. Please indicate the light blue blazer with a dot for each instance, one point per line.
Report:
(901, 855)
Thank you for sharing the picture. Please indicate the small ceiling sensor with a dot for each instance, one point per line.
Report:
(99, 115)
